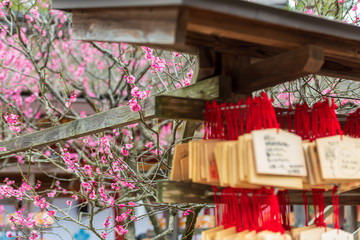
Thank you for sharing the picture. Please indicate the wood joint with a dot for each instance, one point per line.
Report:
(278, 69)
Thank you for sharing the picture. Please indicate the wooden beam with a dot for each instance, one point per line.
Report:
(39, 169)
(214, 88)
(183, 192)
(332, 67)
(279, 69)
(167, 107)
(162, 25)
(189, 192)
(99, 122)
(218, 87)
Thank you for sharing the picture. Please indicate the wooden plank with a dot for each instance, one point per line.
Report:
(183, 192)
(189, 192)
(116, 117)
(135, 25)
(39, 169)
(99, 122)
(218, 87)
(81, 4)
(279, 69)
(70, 4)
(167, 107)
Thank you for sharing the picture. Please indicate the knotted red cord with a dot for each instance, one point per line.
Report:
(217, 210)
(305, 198)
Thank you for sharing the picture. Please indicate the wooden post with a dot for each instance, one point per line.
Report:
(204, 68)
(341, 216)
(352, 217)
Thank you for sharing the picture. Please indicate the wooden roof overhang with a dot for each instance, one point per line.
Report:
(233, 27)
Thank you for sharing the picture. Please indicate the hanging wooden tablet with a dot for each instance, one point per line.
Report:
(269, 180)
(231, 162)
(273, 236)
(202, 164)
(295, 232)
(314, 173)
(226, 232)
(313, 234)
(250, 236)
(219, 163)
(191, 159)
(339, 158)
(337, 234)
(246, 154)
(315, 165)
(237, 236)
(225, 155)
(205, 233)
(198, 162)
(184, 163)
(234, 167)
(212, 235)
(241, 166)
(310, 178)
(241, 157)
(212, 175)
(181, 151)
(278, 152)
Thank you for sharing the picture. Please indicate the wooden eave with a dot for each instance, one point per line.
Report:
(228, 26)
(82, 4)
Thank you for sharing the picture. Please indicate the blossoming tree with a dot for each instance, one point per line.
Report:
(47, 78)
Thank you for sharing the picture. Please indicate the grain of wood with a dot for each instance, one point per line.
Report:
(118, 117)
(133, 25)
(279, 69)
(189, 192)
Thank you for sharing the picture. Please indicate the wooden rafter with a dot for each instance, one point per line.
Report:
(280, 68)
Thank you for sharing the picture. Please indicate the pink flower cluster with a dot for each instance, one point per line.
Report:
(7, 191)
(187, 80)
(135, 93)
(2, 8)
(107, 222)
(134, 105)
(40, 202)
(120, 230)
(187, 212)
(34, 12)
(156, 63)
(71, 100)
(13, 122)
(71, 160)
(18, 219)
(33, 235)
